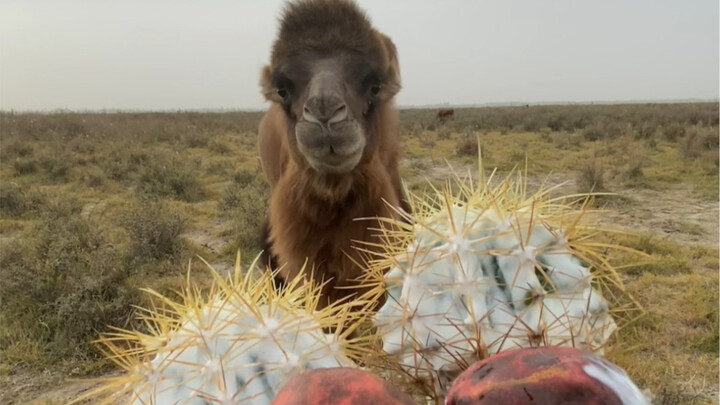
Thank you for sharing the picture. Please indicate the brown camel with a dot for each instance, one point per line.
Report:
(329, 143)
(443, 115)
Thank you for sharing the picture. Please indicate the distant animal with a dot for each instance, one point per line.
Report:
(443, 115)
(329, 143)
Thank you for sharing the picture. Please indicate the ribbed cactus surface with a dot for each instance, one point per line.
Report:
(239, 345)
(487, 269)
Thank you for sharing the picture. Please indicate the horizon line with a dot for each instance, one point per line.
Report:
(400, 107)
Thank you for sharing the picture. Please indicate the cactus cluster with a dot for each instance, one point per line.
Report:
(488, 269)
(473, 272)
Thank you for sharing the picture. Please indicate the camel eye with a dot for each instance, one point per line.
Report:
(375, 90)
(283, 93)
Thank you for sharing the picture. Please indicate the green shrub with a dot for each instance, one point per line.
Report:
(25, 166)
(245, 203)
(645, 129)
(14, 148)
(218, 146)
(61, 284)
(673, 131)
(56, 166)
(154, 231)
(593, 133)
(196, 139)
(16, 200)
(170, 175)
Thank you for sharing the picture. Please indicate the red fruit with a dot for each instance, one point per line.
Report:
(339, 386)
(544, 376)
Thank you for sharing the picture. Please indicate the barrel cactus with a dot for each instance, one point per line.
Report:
(239, 345)
(486, 269)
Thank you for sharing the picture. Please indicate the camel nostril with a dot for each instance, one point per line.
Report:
(340, 114)
(325, 110)
(309, 116)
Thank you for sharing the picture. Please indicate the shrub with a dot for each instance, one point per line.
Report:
(635, 171)
(427, 140)
(674, 131)
(415, 130)
(467, 146)
(646, 129)
(169, 175)
(60, 286)
(56, 166)
(590, 178)
(700, 141)
(195, 139)
(14, 148)
(245, 203)
(593, 133)
(154, 231)
(567, 140)
(545, 135)
(25, 166)
(219, 147)
(443, 133)
(16, 201)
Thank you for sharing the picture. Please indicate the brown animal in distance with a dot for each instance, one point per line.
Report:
(443, 115)
(329, 142)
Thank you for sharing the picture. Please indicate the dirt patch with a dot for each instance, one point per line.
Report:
(673, 213)
(48, 388)
(208, 239)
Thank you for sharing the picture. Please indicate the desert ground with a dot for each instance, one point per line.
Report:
(95, 206)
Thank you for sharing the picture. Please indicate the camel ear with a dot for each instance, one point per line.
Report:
(266, 86)
(392, 74)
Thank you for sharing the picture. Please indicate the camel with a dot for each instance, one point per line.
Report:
(329, 142)
(443, 115)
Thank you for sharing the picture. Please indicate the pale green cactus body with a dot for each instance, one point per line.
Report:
(483, 274)
(239, 346)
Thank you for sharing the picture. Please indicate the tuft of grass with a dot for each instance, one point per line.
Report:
(567, 140)
(244, 203)
(590, 178)
(700, 142)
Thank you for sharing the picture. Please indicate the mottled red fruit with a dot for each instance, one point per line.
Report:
(544, 376)
(339, 386)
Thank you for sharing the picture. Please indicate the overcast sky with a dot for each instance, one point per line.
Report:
(157, 54)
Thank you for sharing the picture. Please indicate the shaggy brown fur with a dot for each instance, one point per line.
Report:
(313, 212)
(442, 115)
